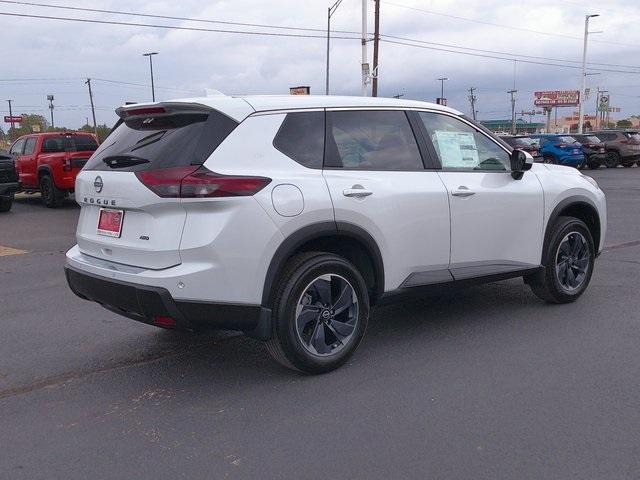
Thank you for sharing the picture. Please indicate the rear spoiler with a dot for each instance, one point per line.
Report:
(160, 109)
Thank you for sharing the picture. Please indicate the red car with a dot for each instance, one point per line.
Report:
(49, 162)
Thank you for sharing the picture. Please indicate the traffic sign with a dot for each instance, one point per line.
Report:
(12, 119)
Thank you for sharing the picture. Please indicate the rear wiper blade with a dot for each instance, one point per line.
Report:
(122, 161)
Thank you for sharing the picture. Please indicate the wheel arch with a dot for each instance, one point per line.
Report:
(44, 170)
(344, 239)
(577, 206)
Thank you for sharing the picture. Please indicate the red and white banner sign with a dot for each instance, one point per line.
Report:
(557, 98)
(14, 119)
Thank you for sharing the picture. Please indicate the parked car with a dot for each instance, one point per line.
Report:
(289, 217)
(49, 162)
(8, 181)
(593, 149)
(526, 143)
(623, 146)
(560, 149)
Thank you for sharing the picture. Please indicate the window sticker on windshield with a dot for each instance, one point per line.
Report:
(457, 149)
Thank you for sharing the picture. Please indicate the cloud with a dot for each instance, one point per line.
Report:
(191, 61)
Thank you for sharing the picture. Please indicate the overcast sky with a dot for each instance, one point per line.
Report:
(65, 53)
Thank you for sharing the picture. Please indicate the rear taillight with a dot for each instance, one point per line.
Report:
(199, 182)
(66, 166)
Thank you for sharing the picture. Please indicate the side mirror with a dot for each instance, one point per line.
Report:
(521, 161)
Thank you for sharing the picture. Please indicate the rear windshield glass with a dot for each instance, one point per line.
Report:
(633, 136)
(525, 141)
(155, 142)
(567, 139)
(69, 143)
(590, 139)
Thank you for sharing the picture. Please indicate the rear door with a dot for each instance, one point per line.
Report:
(150, 147)
(496, 221)
(378, 181)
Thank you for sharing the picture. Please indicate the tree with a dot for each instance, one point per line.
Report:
(30, 123)
(587, 126)
(103, 131)
(624, 123)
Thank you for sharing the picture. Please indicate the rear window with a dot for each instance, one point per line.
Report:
(590, 139)
(69, 143)
(301, 138)
(165, 141)
(525, 142)
(633, 136)
(567, 139)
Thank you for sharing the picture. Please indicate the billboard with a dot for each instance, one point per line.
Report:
(557, 98)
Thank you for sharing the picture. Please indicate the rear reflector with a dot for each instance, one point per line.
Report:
(164, 321)
(199, 182)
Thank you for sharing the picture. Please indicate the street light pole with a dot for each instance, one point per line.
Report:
(330, 11)
(442, 80)
(584, 72)
(512, 92)
(153, 90)
(365, 64)
(51, 107)
(12, 123)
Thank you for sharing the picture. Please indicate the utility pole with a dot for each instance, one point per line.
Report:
(442, 101)
(51, 107)
(584, 72)
(365, 64)
(472, 99)
(153, 90)
(513, 110)
(330, 11)
(12, 124)
(376, 41)
(93, 110)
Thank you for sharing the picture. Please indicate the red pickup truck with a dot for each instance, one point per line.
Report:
(49, 162)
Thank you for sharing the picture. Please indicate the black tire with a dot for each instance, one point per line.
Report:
(628, 165)
(612, 160)
(594, 165)
(52, 196)
(546, 158)
(5, 203)
(547, 284)
(294, 288)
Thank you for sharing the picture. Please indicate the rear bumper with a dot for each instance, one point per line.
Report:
(572, 160)
(9, 188)
(147, 303)
(596, 157)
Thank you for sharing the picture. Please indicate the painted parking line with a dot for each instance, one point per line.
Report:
(6, 251)
(634, 243)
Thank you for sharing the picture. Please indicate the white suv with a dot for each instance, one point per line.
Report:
(288, 217)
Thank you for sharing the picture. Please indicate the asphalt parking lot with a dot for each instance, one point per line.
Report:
(489, 383)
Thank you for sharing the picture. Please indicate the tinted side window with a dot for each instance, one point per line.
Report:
(301, 138)
(30, 145)
(462, 147)
(371, 140)
(17, 147)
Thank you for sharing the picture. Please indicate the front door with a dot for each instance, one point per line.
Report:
(377, 180)
(496, 221)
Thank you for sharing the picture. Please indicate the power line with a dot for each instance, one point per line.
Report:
(168, 17)
(172, 27)
(510, 27)
(519, 55)
(504, 58)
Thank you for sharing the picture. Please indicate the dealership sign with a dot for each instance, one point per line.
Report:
(12, 119)
(557, 98)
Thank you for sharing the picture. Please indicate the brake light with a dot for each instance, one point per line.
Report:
(66, 166)
(144, 111)
(164, 321)
(199, 182)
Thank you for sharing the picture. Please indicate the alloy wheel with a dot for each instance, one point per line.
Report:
(326, 315)
(572, 261)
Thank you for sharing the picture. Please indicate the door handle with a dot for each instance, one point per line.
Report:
(463, 192)
(357, 191)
